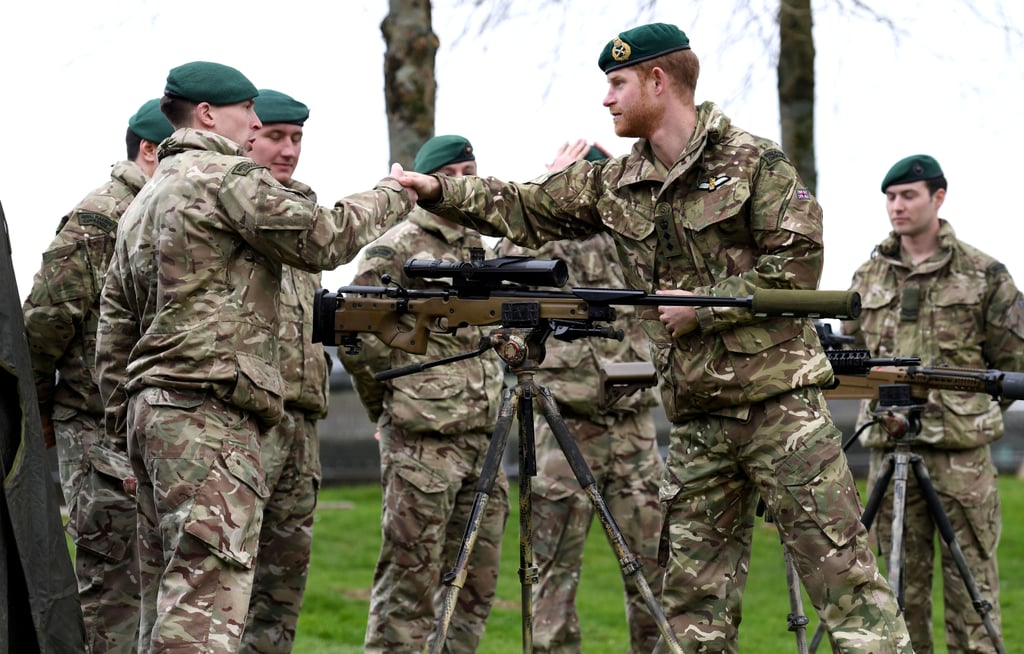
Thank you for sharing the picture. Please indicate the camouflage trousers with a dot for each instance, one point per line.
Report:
(965, 481)
(429, 488)
(622, 453)
(290, 456)
(787, 450)
(101, 522)
(201, 494)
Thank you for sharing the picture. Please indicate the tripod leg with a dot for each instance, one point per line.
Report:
(870, 511)
(941, 520)
(529, 574)
(630, 566)
(796, 618)
(894, 571)
(455, 579)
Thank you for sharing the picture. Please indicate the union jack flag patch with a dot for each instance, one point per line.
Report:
(803, 194)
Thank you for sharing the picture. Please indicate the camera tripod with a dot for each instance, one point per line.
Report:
(522, 349)
(900, 415)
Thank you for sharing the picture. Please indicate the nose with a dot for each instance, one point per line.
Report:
(608, 100)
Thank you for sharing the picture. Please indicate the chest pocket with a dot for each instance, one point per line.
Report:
(958, 321)
(720, 206)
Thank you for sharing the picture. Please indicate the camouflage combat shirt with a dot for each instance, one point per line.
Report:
(729, 216)
(62, 308)
(192, 295)
(958, 308)
(455, 398)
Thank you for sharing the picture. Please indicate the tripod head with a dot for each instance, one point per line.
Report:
(898, 412)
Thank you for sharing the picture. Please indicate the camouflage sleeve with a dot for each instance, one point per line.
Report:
(373, 354)
(288, 226)
(786, 229)
(116, 335)
(555, 206)
(1004, 321)
(61, 295)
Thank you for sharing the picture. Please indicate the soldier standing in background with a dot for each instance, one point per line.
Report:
(290, 450)
(187, 349)
(434, 429)
(617, 442)
(61, 313)
(926, 293)
(703, 207)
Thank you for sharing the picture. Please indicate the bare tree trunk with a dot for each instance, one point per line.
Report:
(409, 82)
(796, 87)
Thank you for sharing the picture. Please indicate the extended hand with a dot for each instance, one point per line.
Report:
(423, 187)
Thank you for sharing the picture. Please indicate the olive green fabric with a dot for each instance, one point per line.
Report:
(441, 151)
(149, 122)
(276, 107)
(206, 81)
(915, 168)
(640, 44)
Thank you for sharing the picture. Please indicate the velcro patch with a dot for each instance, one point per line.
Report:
(98, 220)
(245, 167)
(772, 157)
(379, 252)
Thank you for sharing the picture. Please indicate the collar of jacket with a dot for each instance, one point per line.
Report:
(639, 164)
(130, 174)
(187, 138)
(889, 249)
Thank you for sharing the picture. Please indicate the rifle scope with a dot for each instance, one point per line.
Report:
(490, 273)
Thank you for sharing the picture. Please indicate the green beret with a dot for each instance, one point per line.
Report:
(276, 107)
(914, 168)
(149, 123)
(595, 154)
(640, 44)
(205, 81)
(440, 151)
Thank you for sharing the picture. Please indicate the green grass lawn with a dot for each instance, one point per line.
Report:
(347, 539)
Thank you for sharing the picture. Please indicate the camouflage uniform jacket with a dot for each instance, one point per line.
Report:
(455, 398)
(192, 295)
(62, 308)
(731, 215)
(304, 364)
(968, 314)
(571, 369)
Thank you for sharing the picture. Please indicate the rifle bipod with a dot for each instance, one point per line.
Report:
(899, 414)
(523, 350)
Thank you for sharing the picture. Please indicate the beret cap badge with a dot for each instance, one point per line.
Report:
(620, 50)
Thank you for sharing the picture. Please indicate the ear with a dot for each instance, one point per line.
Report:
(203, 116)
(659, 79)
(147, 151)
(939, 197)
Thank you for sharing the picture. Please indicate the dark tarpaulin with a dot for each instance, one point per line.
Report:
(39, 609)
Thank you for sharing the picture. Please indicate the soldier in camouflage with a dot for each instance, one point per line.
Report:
(434, 429)
(702, 207)
(926, 293)
(290, 450)
(188, 348)
(617, 442)
(60, 322)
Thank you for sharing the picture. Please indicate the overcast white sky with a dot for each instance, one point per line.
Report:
(74, 72)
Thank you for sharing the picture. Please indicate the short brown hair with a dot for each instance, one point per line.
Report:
(178, 110)
(682, 67)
